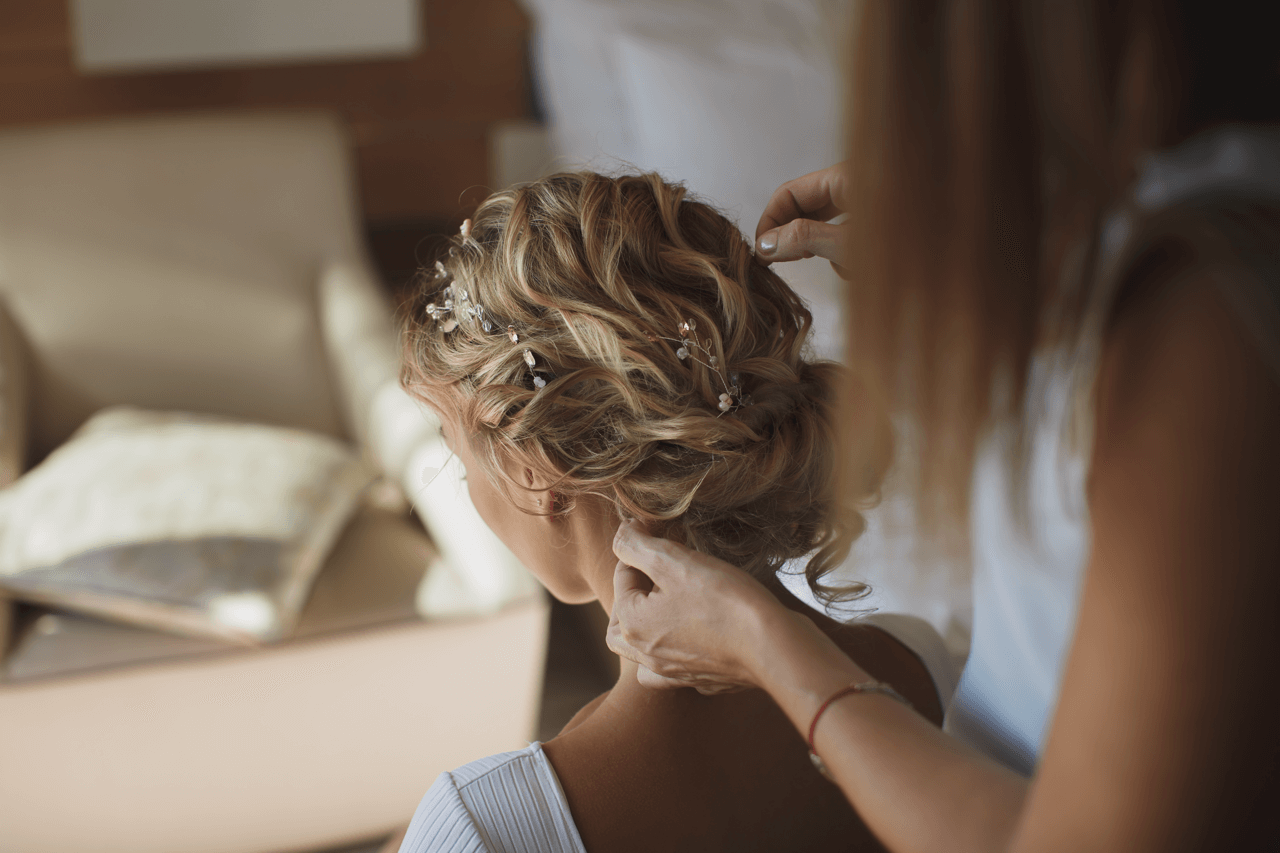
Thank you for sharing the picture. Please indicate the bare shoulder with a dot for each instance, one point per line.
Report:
(1163, 738)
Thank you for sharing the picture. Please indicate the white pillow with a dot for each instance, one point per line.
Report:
(181, 522)
(476, 573)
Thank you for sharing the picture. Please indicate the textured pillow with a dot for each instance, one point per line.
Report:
(181, 522)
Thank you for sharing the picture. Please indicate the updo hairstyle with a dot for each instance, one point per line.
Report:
(594, 275)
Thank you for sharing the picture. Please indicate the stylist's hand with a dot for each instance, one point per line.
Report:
(687, 619)
(796, 222)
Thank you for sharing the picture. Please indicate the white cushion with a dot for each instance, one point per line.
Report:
(180, 522)
(476, 572)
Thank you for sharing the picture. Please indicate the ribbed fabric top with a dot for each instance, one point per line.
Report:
(506, 803)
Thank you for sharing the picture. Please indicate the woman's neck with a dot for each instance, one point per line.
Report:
(591, 526)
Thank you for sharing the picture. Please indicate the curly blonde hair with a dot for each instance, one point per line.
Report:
(592, 273)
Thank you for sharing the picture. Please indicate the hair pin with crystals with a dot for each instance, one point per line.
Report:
(456, 299)
(688, 345)
(530, 359)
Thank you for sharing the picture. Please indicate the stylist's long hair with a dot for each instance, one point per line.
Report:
(988, 140)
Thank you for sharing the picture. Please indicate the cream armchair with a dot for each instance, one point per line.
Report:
(213, 264)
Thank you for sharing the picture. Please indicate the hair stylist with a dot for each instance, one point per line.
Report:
(1064, 253)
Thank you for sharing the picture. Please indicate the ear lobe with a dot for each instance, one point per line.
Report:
(551, 503)
(545, 500)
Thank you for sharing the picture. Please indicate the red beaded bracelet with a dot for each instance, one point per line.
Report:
(858, 687)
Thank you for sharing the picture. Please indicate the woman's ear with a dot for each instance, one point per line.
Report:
(544, 499)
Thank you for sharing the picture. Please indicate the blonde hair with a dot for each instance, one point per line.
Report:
(592, 273)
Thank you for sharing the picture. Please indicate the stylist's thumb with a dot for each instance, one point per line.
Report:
(804, 238)
(651, 555)
(630, 588)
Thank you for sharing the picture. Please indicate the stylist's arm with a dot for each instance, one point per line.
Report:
(692, 620)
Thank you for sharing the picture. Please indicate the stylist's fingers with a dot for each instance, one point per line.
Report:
(659, 560)
(819, 195)
(649, 678)
(717, 689)
(618, 644)
(796, 221)
(630, 588)
(630, 583)
(804, 238)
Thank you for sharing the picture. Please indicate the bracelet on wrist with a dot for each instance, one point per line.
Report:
(857, 687)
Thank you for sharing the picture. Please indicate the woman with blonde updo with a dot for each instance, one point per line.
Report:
(601, 349)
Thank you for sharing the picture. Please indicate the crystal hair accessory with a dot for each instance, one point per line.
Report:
(688, 345)
(530, 359)
(456, 302)
(442, 311)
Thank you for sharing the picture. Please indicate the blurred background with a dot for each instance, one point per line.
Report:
(212, 208)
(420, 87)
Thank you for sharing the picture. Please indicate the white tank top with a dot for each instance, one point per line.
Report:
(1026, 590)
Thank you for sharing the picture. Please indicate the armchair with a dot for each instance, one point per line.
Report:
(213, 263)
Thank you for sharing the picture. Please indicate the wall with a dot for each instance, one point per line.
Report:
(420, 125)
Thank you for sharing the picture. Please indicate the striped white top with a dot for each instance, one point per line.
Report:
(506, 803)
(513, 803)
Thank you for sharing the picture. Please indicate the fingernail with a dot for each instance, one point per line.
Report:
(768, 242)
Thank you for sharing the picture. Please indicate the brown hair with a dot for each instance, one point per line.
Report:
(592, 273)
(988, 139)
